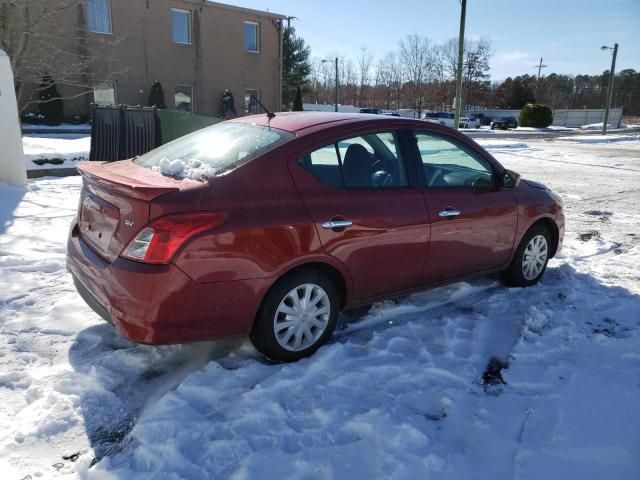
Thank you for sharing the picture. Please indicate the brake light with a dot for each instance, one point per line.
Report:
(159, 241)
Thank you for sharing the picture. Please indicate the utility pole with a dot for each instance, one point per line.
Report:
(456, 117)
(610, 92)
(540, 66)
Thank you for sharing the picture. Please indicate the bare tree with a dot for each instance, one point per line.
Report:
(475, 68)
(416, 53)
(364, 69)
(50, 38)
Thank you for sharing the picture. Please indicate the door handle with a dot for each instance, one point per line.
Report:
(330, 225)
(449, 213)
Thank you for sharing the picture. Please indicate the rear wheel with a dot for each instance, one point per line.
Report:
(530, 260)
(297, 316)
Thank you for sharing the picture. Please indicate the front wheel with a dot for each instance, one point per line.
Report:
(530, 260)
(297, 316)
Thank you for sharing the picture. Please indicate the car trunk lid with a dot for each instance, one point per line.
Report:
(115, 202)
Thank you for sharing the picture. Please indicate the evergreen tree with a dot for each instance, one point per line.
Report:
(297, 102)
(227, 105)
(295, 65)
(50, 104)
(156, 95)
(521, 93)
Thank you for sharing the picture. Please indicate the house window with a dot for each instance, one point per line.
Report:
(98, 15)
(104, 93)
(250, 104)
(183, 98)
(252, 37)
(181, 26)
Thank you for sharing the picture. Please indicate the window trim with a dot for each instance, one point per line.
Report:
(189, 24)
(244, 98)
(399, 133)
(460, 144)
(257, 25)
(193, 103)
(114, 86)
(109, 10)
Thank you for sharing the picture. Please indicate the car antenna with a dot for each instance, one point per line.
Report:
(270, 115)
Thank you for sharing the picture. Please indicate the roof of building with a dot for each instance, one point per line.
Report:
(240, 9)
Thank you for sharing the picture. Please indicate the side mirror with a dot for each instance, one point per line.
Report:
(509, 179)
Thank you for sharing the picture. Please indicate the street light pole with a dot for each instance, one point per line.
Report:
(610, 92)
(456, 117)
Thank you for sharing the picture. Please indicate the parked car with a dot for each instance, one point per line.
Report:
(504, 123)
(443, 118)
(483, 119)
(270, 227)
(375, 111)
(469, 122)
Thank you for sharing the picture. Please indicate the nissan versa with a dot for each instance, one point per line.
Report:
(269, 227)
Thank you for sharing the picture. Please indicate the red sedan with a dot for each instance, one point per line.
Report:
(270, 227)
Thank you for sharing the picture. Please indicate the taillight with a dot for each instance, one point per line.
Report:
(160, 240)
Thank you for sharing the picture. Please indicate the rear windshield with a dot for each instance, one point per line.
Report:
(213, 150)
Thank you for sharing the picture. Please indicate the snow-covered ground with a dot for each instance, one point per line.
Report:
(413, 390)
(45, 151)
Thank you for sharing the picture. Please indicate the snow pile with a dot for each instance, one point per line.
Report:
(600, 138)
(55, 151)
(190, 168)
(599, 126)
(550, 128)
(62, 128)
(493, 144)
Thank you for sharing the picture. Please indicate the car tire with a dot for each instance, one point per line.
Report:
(286, 330)
(530, 260)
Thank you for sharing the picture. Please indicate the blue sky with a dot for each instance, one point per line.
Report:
(566, 33)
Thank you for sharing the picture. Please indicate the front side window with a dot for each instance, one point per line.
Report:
(104, 93)
(448, 164)
(183, 98)
(98, 15)
(367, 161)
(213, 150)
(181, 26)
(250, 104)
(251, 37)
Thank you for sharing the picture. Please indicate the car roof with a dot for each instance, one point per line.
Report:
(297, 122)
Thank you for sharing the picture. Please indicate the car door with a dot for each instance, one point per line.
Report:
(473, 220)
(367, 212)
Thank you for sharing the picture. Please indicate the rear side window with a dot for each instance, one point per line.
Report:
(213, 150)
(367, 161)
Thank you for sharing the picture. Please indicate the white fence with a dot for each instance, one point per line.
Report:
(564, 117)
(587, 116)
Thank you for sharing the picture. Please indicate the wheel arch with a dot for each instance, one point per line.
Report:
(337, 275)
(553, 230)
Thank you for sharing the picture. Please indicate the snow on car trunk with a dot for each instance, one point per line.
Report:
(412, 390)
(114, 203)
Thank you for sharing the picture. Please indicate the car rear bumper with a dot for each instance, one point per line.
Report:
(160, 304)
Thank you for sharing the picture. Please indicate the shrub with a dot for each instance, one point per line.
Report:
(156, 96)
(50, 104)
(535, 115)
(297, 101)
